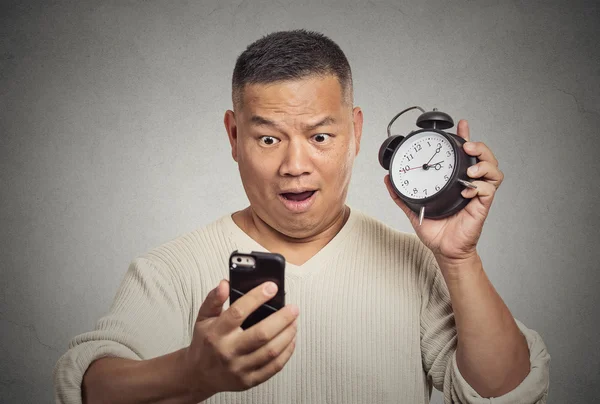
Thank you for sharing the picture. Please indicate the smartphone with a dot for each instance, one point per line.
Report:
(249, 270)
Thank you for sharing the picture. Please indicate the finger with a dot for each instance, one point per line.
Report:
(463, 130)
(266, 330)
(270, 351)
(412, 216)
(481, 151)
(275, 366)
(235, 315)
(486, 171)
(485, 191)
(212, 306)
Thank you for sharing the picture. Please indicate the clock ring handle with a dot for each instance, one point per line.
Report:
(400, 113)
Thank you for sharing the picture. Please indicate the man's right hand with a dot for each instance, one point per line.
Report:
(223, 357)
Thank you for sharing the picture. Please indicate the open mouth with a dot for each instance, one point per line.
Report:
(298, 197)
(298, 202)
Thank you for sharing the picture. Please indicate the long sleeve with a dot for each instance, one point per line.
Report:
(148, 318)
(438, 348)
(376, 323)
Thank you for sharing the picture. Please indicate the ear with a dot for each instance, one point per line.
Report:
(357, 119)
(231, 128)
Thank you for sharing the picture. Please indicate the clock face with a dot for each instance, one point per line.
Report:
(423, 165)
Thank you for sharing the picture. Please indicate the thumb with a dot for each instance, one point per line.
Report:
(213, 304)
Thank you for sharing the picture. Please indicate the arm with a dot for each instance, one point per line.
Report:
(157, 380)
(219, 358)
(439, 348)
(465, 325)
(147, 319)
(144, 335)
(492, 354)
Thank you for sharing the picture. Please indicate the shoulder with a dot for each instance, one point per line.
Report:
(400, 250)
(386, 238)
(184, 252)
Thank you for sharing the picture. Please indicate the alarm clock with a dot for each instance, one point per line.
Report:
(428, 167)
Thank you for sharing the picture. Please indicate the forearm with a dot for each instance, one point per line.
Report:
(158, 380)
(492, 354)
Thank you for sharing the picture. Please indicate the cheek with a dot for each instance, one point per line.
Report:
(338, 166)
(256, 168)
(346, 169)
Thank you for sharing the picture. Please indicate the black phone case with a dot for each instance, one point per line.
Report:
(268, 267)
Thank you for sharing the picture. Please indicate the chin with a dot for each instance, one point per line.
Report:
(295, 224)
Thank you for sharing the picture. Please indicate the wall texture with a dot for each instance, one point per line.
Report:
(112, 142)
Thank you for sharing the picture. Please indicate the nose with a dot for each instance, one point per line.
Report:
(297, 160)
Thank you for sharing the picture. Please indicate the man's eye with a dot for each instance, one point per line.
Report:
(269, 140)
(321, 137)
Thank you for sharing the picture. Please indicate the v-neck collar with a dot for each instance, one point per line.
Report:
(248, 244)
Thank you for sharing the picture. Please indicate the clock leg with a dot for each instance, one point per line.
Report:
(468, 184)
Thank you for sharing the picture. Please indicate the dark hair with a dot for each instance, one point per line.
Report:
(290, 55)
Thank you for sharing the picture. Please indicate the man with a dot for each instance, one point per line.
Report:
(375, 315)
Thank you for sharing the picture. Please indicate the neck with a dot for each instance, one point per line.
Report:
(295, 250)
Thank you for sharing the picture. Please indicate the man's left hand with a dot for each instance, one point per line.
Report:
(454, 239)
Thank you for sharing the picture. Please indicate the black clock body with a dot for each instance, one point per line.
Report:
(448, 200)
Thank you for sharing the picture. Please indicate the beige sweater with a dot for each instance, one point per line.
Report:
(375, 326)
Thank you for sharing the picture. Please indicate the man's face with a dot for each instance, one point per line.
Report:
(295, 144)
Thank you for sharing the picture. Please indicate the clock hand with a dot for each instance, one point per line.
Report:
(437, 165)
(410, 169)
(424, 166)
(434, 164)
(436, 152)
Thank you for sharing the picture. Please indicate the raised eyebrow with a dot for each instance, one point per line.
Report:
(325, 121)
(261, 121)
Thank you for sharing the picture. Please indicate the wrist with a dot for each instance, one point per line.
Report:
(197, 389)
(455, 269)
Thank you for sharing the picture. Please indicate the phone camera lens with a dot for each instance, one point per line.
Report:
(239, 259)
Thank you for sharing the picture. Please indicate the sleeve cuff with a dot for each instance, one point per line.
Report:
(70, 368)
(533, 389)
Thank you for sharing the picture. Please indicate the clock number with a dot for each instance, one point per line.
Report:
(437, 187)
(439, 147)
(409, 157)
(405, 183)
(448, 153)
(418, 147)
(445, 178)
(415, 190)
(449, 165)
(405, 169)
(425, 191)
(428, 144)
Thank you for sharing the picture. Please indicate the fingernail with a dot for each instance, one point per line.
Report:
(270, 288)
(294, 309)
(473, 169)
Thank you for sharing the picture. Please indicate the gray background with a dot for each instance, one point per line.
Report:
(112, 143)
